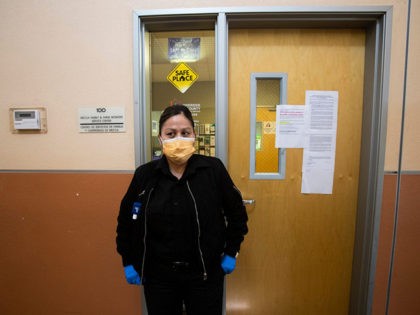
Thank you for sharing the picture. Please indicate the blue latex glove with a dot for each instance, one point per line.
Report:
(228, 263)
(131, 275)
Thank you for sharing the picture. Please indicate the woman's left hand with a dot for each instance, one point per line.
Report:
(228, 263)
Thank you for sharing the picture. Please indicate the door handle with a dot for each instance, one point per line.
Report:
(248, 202)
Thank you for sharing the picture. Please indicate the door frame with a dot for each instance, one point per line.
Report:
(377, 22)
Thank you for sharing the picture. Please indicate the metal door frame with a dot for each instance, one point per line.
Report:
(376, 20)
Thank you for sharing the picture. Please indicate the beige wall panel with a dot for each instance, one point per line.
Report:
(411, 148)
(66, 55)
(63, 56)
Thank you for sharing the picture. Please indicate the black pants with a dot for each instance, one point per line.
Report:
(167, 290)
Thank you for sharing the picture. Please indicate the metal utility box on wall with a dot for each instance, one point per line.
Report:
(28, 120)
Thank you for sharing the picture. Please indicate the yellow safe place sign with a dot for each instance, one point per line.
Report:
(182, 77)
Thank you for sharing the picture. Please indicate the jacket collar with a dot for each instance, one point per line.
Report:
(195, 162)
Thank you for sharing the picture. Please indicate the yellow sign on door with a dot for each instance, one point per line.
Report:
(182, 77)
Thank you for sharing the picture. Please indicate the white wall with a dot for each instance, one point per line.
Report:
(64, 55)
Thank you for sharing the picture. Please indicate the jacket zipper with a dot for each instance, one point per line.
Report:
(145, 233)
(199, 232)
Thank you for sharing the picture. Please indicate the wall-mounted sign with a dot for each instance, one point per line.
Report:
(185, 49)
(101, 119)
(269, 127)
(182, 77)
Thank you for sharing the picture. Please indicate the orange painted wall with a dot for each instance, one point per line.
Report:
(405, 285)
(405, 278)
(384, 246)
(58, 245)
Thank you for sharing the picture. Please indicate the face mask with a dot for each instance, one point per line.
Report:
(178, 150)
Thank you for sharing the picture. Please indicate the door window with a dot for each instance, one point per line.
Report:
(183, 72)
(267, 91)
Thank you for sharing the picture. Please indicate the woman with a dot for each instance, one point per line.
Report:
(181, 224)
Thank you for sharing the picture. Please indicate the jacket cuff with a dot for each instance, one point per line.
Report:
(126, 261)
(232, 252)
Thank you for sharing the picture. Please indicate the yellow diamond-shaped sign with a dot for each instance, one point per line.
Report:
(182, 77)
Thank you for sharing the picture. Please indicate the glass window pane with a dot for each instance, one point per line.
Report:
(183, 72)
(267, 91)
(268, 96)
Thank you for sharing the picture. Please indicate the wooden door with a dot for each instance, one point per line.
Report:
(297, 257)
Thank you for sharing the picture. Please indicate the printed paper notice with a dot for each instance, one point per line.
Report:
(320, 142)
(290, 129)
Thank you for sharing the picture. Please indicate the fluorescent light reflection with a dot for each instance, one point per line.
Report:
(183, 60)
(237, 306)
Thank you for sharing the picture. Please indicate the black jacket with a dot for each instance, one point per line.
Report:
(221, 216)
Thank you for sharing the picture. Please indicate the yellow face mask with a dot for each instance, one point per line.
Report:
(178, 150)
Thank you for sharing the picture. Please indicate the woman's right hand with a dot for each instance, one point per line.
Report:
(132, 275)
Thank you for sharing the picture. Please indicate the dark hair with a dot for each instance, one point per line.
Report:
(174, 110)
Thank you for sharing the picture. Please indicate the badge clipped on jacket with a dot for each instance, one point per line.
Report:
(136, 209)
